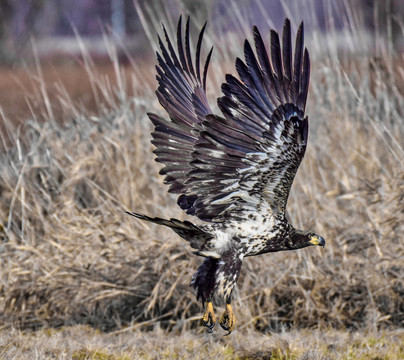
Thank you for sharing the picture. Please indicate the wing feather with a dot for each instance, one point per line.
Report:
(286, 50)
(257, 77)
(188, 51)
(182, 95)
(272, 88)
(263, 131)
(298, 60)
(225, 167)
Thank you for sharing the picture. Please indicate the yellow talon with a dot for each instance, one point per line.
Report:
(209, 318)
(228, 320)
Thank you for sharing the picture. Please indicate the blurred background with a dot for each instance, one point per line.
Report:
(54, 24)
(48, 31)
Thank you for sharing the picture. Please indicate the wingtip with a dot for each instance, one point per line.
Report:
(205, 69)
(287, 28)
(301, 29)
(187, 23)
(247, 48)
(256, 35)
(179, 24)
(306, 54)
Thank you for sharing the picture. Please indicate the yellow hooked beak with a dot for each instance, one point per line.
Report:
(317, 240)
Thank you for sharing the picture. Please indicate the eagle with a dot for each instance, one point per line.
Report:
(232, 171)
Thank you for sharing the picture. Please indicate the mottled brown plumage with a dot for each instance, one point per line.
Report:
(235, 171)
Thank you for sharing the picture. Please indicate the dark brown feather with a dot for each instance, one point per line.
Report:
(263, 130)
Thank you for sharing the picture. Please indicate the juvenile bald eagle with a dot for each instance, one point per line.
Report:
(234, 171)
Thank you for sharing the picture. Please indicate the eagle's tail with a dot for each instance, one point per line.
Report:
(188, 231)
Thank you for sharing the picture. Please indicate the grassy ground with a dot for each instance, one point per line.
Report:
(70, 258)
(83, 342)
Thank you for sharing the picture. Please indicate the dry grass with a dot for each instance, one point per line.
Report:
(83, 342)
(70, 255)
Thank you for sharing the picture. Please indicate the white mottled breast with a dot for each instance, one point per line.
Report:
(215, 247)
(249, 234)
(256, 224)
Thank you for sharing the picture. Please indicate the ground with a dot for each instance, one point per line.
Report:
(83, 342)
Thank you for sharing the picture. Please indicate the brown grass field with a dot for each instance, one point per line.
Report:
(79, 279)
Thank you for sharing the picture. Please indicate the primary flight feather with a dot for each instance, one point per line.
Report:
(234, 171)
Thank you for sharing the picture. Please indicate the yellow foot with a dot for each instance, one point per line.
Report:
(228, 320)
(209, 318)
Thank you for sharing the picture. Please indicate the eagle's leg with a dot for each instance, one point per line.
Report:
(204, 283)
(228, 320)
(209, 318)
(217, 278)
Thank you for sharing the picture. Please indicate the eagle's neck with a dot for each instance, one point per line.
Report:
(296, 239)
(280, 238)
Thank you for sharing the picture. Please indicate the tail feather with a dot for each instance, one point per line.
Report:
(188, 231)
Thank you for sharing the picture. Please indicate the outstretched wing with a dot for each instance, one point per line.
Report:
(182, 93)
(246, 162)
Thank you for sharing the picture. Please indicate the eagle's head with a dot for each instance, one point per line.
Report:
(316, 239)
(302, 238)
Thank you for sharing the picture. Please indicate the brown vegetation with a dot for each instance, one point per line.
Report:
(69, 254)
(82, 342)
